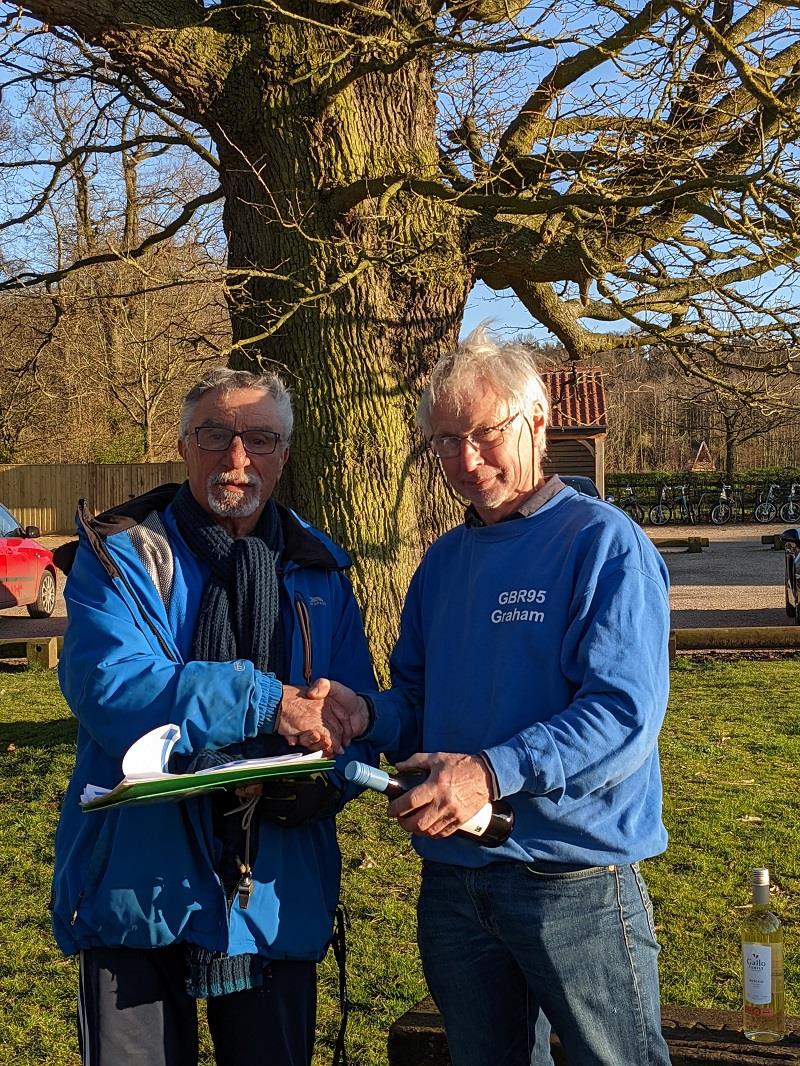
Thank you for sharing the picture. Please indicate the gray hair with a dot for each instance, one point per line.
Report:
(223, 379)
(509, 368)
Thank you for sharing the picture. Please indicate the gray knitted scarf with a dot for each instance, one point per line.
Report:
(240, 613)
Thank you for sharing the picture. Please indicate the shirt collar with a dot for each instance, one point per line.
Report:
(538, 498)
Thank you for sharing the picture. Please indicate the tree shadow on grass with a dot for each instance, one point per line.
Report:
(53, 734)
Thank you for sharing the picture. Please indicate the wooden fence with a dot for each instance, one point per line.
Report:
(46, 496)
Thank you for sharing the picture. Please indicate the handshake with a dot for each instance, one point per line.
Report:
(326, 715)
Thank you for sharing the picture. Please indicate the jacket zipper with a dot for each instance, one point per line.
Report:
(304, 621)
(305, 632)
(78, 902)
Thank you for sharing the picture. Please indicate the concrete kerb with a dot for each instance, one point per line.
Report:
(743, 638)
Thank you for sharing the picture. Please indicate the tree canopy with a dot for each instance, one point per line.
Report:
(607, 164)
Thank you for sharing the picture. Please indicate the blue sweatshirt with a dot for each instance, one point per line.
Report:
(541, 642)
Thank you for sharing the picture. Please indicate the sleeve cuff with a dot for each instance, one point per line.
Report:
(514, 768)
(495, 784)
(370, 712)
(268, 702)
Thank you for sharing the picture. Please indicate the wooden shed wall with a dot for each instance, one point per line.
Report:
(568, 455)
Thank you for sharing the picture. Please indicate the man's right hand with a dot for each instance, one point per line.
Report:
(326, 715)
(303, 720)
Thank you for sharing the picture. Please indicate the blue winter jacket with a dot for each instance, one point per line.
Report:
(144, 876)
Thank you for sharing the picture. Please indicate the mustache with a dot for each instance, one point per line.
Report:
(232, 478)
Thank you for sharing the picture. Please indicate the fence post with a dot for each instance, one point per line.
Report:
(43, 653)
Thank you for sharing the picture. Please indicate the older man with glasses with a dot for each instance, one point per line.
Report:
(531, 665)
(211, 606)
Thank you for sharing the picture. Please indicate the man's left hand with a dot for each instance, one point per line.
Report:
(456, 788)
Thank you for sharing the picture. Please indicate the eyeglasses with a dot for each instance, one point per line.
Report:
(219, 439)
(449, 446)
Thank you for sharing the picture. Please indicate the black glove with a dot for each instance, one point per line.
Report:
(292, 801)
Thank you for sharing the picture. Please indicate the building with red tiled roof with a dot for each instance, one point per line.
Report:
(577, 431)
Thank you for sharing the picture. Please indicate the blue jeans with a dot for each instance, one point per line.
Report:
(505, 941)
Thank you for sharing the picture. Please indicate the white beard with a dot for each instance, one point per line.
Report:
(228, 504)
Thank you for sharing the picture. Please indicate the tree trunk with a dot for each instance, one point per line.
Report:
(730, 448)
(353, 308)
(357, 468)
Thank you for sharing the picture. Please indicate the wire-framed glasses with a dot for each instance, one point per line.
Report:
(219, 439)
(448, 446)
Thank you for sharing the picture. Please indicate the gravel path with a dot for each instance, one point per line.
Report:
(736, 581)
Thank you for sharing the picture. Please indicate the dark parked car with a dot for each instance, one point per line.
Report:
(581, 484)
(791, 555)
(27, 571)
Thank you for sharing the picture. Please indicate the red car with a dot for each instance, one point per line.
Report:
(27, 570)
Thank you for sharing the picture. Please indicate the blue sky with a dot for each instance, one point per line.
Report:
(503, 308)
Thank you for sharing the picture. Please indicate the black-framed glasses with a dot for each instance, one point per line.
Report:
(219, 439)
(448, 446)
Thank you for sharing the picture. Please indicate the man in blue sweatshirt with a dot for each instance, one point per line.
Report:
(531, 665)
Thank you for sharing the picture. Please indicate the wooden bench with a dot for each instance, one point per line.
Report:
(692, 545)
(774, 540)
(695, 1038)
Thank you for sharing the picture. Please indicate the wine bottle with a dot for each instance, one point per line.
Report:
(490, 827)
(762, 966)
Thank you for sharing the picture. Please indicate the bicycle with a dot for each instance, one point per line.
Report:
(723, 512)
(630, 505)
(661, 512)
(767, 509)
(686, 510)
(790, 511)
(706, 504)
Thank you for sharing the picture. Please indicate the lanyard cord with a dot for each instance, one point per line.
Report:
(245, 887)
(338, 941)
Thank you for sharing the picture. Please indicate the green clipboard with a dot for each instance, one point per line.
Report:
(164, 787)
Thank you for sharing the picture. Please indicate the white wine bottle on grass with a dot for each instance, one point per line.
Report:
(762, 966)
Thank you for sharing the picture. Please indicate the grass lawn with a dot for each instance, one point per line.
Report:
(730, 756)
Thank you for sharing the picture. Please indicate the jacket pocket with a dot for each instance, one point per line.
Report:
(98, 861)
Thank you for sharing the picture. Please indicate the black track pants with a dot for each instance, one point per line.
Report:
(133, 1010)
